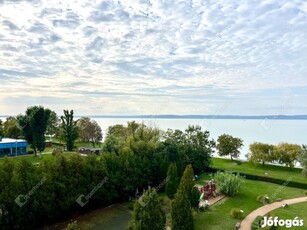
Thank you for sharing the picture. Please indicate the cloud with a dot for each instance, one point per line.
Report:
(158, 56)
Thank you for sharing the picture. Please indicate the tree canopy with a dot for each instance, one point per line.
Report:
(228, 145)
(70, 129)
(261, 152)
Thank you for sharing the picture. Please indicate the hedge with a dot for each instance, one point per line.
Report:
(263, 178)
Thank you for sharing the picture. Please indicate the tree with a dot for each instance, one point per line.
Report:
(181, 213)
(229, 145)
(11, 128)
(53, 124)
(89, 131)
(287, 153)
(1, 128)
(70, 129)
(186, 182)
(197, 148)
(195, 194)
(172, 181)
(302, 158)
(34, 125)
(261, 152)
(148, 213)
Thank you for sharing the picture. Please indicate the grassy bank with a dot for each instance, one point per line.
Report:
(272, 171)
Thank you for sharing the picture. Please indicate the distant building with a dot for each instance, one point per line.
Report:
(89, 150)
(12, 147)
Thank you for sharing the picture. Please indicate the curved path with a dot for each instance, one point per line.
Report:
(247, 222)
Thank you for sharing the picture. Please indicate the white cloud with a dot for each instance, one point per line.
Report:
(152, 57)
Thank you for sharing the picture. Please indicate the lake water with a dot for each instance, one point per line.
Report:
(268, 130)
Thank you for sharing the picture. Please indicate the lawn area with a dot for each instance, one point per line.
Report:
(218, 217)
(273, 171)
(292, 211)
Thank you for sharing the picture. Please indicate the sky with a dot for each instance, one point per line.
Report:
(154, 56)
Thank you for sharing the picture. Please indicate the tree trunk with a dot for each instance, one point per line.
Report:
(40, 154)
(231, 157)
(262, 163)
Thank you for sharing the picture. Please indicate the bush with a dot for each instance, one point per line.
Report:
(72, 226)
(228, 183)
(57, 151)
(236, 213)
(263, 199)
(306, 193)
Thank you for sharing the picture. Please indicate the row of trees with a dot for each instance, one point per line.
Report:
(148, 213)
(37, 122)
(139, 157)
(283, 153)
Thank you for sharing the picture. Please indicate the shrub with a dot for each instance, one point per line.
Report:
(306, 193)
(72, 226)
(57, 151)
(263, 199)
(228, 183)
(236, 213)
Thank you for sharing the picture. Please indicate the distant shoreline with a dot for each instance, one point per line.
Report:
(230, 117)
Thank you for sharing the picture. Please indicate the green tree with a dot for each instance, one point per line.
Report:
(148, 213)
(181, 213)
(261, 152)
(1, 128)
(53, 124)
(195, 195)
(302, 158)
(89, 131)
(228, 145)
(11, 128)
(287, 154)
(70, 129)
(34, 125)
(172, 181)
(186, 182)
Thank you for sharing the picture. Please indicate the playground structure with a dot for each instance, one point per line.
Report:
(208, 191)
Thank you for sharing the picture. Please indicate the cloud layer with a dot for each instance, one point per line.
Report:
(154, 57)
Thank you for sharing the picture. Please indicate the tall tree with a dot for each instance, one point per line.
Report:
(229, 145)
(172, 181)
(186, 182)
(148, 213)
(302, 158)
(261, 152)
(182, 218)
(52, 124)
(34, 125)
(70, 129)
(1, 128)
(89, 131)
(11, 128)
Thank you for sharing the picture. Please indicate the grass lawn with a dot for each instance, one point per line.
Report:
(292, 211)
(218, 217)
(272, 171)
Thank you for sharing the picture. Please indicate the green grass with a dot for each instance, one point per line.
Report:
(292, 211)
(218, 217)
(273, 171)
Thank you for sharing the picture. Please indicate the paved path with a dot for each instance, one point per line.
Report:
(247, 222)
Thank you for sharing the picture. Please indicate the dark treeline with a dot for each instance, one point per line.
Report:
(134, 157)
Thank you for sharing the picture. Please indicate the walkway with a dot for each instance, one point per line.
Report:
(247, 222)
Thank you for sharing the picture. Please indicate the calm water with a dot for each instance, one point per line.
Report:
(267, 131)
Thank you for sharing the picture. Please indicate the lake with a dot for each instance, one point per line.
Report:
(267, 130)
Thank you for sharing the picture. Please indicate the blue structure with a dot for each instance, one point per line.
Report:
(12, 147)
